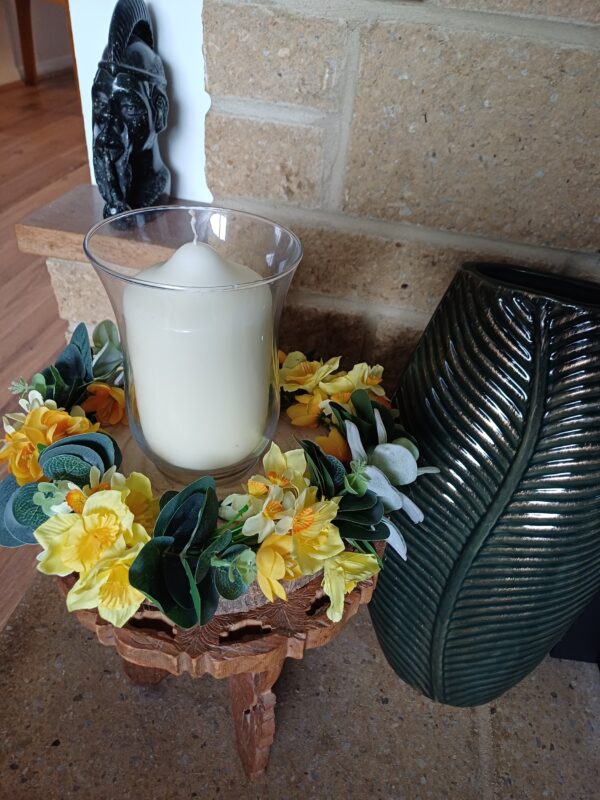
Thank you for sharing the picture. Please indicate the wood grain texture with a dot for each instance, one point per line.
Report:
(42, 155)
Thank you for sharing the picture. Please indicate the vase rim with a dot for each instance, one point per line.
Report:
(103, 266)
(560, 288)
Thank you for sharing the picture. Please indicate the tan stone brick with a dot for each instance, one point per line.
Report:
(408, 275)
(478, 133)
(392, 345)
(79, 292)
(265, 160)
(579, 10)
(321, 329)
(261, 53)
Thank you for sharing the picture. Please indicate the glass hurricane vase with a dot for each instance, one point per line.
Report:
(201, 366)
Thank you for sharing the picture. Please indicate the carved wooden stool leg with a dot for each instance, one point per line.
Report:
(253, 709)
(143, 676)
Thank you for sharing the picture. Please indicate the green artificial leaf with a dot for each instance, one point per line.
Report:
(66, 467)
(245, 563)
(165, 497)
(180, 582)
(38, 384)
(324, 473)
(81, 340)
(148, 576)
(25, 512)
(363, 406)
(205, 558)
(352, 503)
(373, 533)
(107, 362)
(396, 462)
(228, 580)
(19, 386)
(209, 597)
(106, 332)
(171, 506)
(207, 520)
(7, 488)
(95, 449)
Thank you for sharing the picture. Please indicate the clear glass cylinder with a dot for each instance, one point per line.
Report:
(201, 365)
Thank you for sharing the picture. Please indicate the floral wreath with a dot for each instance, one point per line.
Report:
(317, 508)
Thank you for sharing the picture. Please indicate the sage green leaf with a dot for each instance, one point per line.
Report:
(206, 556)
(396, 462)
(106, 332)
(22, 516)
(7, 488)
(503, 395)
(228, 580)
(59, 467)
(411, 447)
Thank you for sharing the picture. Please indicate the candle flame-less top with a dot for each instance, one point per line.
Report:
(199, 265)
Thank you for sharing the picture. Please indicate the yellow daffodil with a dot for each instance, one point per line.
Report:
(107, 403)
(275, 515)
(334, 444)
(361, 376)
(42, 425)
(286, 470)
(311, 550)
(76, 542)
(341, 574)
(275, 562)
(107, 588)
(307, 410)
(136, 490)
(298, 373)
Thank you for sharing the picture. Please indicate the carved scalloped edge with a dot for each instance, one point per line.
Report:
(276, 631)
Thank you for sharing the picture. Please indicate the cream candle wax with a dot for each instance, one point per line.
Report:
(200, 358)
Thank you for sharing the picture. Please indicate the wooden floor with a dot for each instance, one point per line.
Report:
(42, 155)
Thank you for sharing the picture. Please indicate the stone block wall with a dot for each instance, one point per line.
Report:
(400, 139)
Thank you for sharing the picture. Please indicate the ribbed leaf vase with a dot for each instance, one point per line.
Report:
(503, 395)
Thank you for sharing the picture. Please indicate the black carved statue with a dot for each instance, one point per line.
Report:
(130, 108)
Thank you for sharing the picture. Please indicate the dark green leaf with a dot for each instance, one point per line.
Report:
(166, 496)
(171, 505)
(209, 597)
(146, 574)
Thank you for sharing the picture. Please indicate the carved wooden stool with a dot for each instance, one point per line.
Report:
(249, 648)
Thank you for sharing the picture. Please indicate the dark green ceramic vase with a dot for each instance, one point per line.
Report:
(503, 395)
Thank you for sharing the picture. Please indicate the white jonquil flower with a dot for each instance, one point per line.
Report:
(387, 465)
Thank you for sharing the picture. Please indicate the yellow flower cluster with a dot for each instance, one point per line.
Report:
(100, 539)
(295, 531)
(42, 425)
(317, 382)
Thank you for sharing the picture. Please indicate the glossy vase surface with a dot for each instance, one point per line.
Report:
(503, 395)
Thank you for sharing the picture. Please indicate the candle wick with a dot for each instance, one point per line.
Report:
(192, 213)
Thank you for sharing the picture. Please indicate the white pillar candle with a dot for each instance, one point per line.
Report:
(200, 361)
